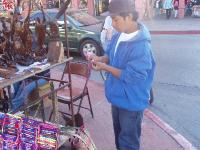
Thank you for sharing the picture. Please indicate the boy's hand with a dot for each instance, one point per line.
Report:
(94, 60)
(91, 56)
(97, 65)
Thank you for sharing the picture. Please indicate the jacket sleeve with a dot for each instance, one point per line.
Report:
(138, 64)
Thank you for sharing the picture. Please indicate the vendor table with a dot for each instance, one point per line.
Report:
(65, 132)
(19, 77)
(31, 73)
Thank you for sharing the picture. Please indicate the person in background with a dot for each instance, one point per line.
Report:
(130, 66)
(157, 7)
(107, 32)
(188, 8)
(176, 5)
(168, 5)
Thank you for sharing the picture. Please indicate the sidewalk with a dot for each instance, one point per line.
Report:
(162, 24)
(189, 25)
(156, 134)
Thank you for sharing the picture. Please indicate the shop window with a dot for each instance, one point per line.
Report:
(101, 6)
(83, 4)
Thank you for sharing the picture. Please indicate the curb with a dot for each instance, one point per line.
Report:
(183, 142)
(195, 32)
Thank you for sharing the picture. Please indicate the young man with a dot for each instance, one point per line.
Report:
(130, 66)
(168, 6)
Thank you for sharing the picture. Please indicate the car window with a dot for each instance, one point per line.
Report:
(77, 18)
(84, 19)
(52, 15)
(71, 20)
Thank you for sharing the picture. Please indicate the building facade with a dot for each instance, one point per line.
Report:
(95, 7)
(144, 7)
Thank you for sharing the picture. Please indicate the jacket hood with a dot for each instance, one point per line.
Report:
(143, 34)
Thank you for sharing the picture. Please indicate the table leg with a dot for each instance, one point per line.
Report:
(9, 96)
(55, 105)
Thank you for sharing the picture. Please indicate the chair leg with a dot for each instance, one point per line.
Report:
(79, 106)
(50, 115)
(69, 106)
(42, 109)
(90, 104)
(72, 112)
(37, 110)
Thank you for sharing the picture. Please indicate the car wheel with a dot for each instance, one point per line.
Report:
(89, 46)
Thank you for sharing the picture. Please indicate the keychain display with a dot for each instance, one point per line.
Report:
(18, 133)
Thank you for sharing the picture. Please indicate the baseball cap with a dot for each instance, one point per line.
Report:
(117, 7)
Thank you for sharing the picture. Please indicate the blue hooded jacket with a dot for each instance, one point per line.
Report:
(135, 60)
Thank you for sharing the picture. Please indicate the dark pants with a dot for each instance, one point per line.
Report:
(127, 128)
(168, 13)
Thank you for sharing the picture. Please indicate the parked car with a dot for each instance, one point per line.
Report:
(83, 30)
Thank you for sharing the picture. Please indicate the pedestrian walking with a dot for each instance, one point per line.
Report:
(130, 66)
(158, 5)
(168, 5)
(176, 5)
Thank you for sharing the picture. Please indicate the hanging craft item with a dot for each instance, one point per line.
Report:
(40, 30)
(56, 51)
(22, 40)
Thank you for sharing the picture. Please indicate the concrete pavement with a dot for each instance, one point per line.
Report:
(161, 25)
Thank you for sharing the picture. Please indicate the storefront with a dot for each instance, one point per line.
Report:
(85, 4)
(194, 7)
(146, 8)
(101, 6)
(94, 7)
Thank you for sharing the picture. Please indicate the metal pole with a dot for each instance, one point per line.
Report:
(69, 74)
(66, 36)
(94, 10)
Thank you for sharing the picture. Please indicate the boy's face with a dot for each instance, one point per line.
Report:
(121, 23)
(118, 23)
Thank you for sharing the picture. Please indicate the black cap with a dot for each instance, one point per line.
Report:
(117, 7)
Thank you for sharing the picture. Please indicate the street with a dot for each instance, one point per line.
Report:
(176, 84)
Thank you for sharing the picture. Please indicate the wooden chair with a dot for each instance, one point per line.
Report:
(81, 71)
